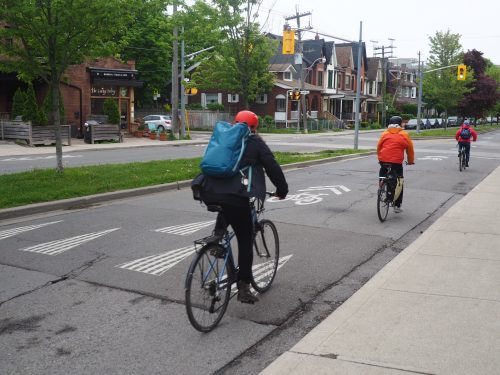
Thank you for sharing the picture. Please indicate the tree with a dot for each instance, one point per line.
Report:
(484, 89)
(50, 35)
(441, 87)
(239, 63)
(147, 40)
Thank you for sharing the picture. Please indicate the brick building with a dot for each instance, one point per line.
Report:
(84, 88)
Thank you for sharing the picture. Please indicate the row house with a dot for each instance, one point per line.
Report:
(401, 82)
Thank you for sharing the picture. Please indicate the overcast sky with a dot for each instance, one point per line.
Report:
(409, 23)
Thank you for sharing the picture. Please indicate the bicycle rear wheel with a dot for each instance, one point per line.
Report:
(460, 160)
(266, 256)
(464, 160)
(207, 289)
(383, 202)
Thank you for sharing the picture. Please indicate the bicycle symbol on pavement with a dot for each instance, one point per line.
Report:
(308, 196)
(435, 158)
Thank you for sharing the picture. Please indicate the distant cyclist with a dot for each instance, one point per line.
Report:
(463, 136)
(390, 150)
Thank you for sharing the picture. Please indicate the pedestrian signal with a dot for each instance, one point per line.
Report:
(461, 72)
(288, 42)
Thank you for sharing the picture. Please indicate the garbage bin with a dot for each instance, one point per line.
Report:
(87, 130)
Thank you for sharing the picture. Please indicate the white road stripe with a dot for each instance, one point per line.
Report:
(59, 246)
(12, 232)
(259, 271)
(184, 230)
(158, 264)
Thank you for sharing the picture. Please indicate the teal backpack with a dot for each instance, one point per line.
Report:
(225, 149)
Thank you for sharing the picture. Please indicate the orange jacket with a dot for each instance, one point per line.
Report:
(392, 144)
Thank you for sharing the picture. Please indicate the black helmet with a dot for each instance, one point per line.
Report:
(395, 120)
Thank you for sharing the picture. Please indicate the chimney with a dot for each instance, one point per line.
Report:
(316, 37)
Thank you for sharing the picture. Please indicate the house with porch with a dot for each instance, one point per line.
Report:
(373, 88)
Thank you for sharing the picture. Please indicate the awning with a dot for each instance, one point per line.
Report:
(119, 82)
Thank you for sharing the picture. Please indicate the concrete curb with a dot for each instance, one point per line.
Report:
(81, 202)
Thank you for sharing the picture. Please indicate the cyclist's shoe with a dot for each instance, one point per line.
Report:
(398, 209)
(244, 293)
(467, 165)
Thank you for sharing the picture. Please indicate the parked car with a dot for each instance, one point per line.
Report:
(453, 121)
(160, 122)
(412, 124)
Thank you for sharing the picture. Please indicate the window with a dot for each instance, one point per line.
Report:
(414, 92)
(211, 98)
(320, 78)
(287, 76)
(280, 105)
(262, 99)
(347, 81)
(233, 98)
(330, 79)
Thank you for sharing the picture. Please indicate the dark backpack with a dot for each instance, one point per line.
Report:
(225, 149)
(465, 133)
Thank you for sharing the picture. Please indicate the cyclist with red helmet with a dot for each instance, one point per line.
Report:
(233, 196)
(463, 136)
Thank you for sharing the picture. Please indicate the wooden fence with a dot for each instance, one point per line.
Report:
(33, 135)
(105, 132)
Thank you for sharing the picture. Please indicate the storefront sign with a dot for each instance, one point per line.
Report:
(103, 91)
(112, 74)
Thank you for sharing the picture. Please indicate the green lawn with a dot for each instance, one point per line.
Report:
(450, 132)
(47, 185)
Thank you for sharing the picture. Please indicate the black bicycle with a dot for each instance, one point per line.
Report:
(212, 273)
(462, 157)
(386, 192)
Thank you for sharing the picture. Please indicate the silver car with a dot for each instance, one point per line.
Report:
(160, 122)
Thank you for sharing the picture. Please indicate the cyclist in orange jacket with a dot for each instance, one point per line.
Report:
(390, 150)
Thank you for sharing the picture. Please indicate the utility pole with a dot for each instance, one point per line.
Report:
(384, 76)
(358, 88)
(419, 103)
(175, 78)
(302, 105)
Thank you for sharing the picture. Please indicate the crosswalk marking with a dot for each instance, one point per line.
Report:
(259, 271)
(158, 264)
(186, 229)
(12, 232)
(59, 246)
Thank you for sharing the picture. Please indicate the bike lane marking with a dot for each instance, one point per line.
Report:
(185, 229)
(307, 196)
(12, 232)
(157, 265)
(31, 158)
(59, 246)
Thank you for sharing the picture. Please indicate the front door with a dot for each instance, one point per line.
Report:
(124, 113)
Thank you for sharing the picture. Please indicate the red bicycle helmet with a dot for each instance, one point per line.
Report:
(249, 118)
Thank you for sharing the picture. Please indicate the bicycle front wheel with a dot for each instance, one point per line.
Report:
(207, 288)
(382, 202)
(266, 256)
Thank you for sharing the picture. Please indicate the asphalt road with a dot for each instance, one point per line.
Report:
(72, 302)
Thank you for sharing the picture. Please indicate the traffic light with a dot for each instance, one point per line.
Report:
(190, 91)
(294, 94)
(288, 41)
(461, 72)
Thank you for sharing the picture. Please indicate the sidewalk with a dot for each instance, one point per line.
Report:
(434, 309)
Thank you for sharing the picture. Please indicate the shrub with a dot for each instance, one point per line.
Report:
(30, 107)
(406, 116)
(110, 109)
(194, 106)
(18, 103)
(215, 107)
(268, 121)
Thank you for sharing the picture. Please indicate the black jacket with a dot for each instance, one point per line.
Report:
(231, 190)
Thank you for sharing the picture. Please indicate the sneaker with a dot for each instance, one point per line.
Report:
(244, 293)
(467, 165)
(398, 209)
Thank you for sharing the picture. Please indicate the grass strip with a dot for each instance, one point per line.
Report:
(44, 185)
(450, 132)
